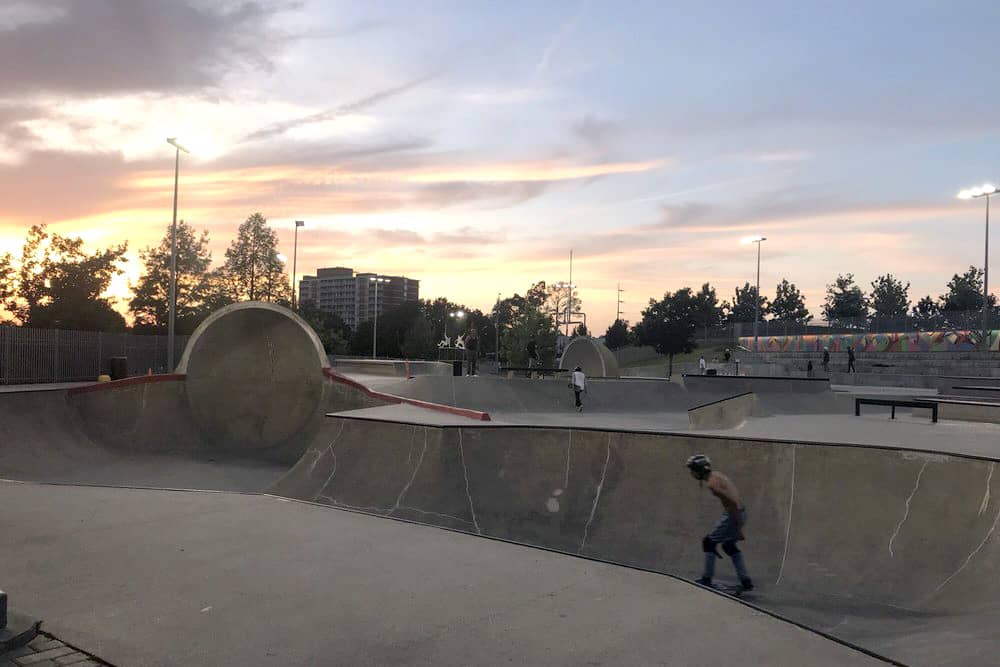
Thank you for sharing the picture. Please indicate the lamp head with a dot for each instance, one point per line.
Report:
(176, 144)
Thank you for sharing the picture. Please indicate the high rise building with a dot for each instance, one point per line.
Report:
(340, 291)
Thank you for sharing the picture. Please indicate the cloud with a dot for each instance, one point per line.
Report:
(594, 131)
(115, 46)
(783, 156)
(562, 34)
(279, 128)
(507, 193)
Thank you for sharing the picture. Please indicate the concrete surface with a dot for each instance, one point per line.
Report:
(592, 356)
(274, 357)
(167, 578)
(725, 413)
(836, 533)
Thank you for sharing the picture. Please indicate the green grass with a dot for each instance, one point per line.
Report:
(710, 348)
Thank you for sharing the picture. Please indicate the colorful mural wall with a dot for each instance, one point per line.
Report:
(917, 341)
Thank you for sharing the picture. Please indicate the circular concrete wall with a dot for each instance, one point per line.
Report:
(254, 376)
(592, 356)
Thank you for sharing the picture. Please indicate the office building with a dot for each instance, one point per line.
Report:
(340, 291)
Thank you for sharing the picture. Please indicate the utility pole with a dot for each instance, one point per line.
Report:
(569, 299)
(618, 308)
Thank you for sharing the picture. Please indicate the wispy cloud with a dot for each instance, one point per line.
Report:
(783, 156)
(564, 32)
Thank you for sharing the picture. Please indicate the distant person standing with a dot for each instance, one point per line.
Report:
(809, 368)
(472, 350)
(728, 355)
(579, 385)
(702, 366)
(532, 349)
(850, 359)
(826, 360)
(728, 530)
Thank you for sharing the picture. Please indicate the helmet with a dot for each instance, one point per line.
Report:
(700, 466)
(578, 369)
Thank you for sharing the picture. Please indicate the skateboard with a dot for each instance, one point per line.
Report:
(733, 590)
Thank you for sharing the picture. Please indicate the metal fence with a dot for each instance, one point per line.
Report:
(970, 320)
(29, 356)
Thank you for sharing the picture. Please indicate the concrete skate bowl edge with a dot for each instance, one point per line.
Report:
(254, 378)
(592, 356)
(882, 544)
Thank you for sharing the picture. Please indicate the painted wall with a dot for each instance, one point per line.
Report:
(917, 341)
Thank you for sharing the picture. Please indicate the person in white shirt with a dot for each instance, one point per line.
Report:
(701, 364)
(579, 386)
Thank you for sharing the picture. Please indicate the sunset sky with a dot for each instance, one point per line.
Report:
(471, 145)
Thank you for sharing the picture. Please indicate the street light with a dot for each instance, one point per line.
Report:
(569, 287)
(172, 317)
(295, 259)
(455, 315)
(756, 300)
(986, 190)
(376, 280)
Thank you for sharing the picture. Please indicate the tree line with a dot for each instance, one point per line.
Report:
(671, 324)
(56, 284)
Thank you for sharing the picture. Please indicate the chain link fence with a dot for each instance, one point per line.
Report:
(29, 356)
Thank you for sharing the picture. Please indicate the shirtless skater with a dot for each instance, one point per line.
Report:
(728, 530)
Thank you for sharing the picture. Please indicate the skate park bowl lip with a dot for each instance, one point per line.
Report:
(468, 413)
(127, 382)
(592, 356)
(758, 383)
(722, 413)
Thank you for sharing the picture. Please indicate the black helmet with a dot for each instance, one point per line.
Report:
(700, 466)
(578, 369)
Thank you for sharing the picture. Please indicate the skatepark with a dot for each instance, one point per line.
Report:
(262, 506)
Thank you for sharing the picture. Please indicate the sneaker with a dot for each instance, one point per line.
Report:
(746, 583)
(579, 408)
(704, 581)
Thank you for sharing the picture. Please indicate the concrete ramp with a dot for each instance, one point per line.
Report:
(724, 413)
(835, 532)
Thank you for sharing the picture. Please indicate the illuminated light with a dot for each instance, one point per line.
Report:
(282, 258)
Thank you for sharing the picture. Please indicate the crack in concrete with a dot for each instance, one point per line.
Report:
(334, 455)
(446, 516)
(569, 450)
(597, 497)
(319, 454)
(416, 469)
(968, 559)
(906, 512)
(788, 524)
(468, 493)
(986, 496)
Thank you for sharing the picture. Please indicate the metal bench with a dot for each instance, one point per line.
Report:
(894, 402)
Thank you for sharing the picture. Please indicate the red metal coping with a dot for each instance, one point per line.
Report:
(128, 382)
(392, 398)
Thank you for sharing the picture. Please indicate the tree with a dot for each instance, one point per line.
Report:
(927, 314)
(617, 335)
(151, 295)
(708, 312)
(531, 324)
(333, 332)
(788, 305)
(557, 299)
(965, 292)
(8, 285)
(742, 309)
(252, 270)
(890, 297)
(419, 342)
(669, 325)
(59, 284)
(580, 331)
(844, 299)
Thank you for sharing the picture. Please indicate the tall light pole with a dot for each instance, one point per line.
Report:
(496, 329)
(295, 259)
(756, 301)
(172, 317)
(986, 191)
(376, 280)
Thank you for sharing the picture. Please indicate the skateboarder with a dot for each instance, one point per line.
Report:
(850, 359)
(826, 360)
(532, 349)
(728, 530)
(579, 385)
(472, 350)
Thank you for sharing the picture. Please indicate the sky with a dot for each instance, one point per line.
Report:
(473, 145)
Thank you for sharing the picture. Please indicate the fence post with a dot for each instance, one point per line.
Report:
(56, 365)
